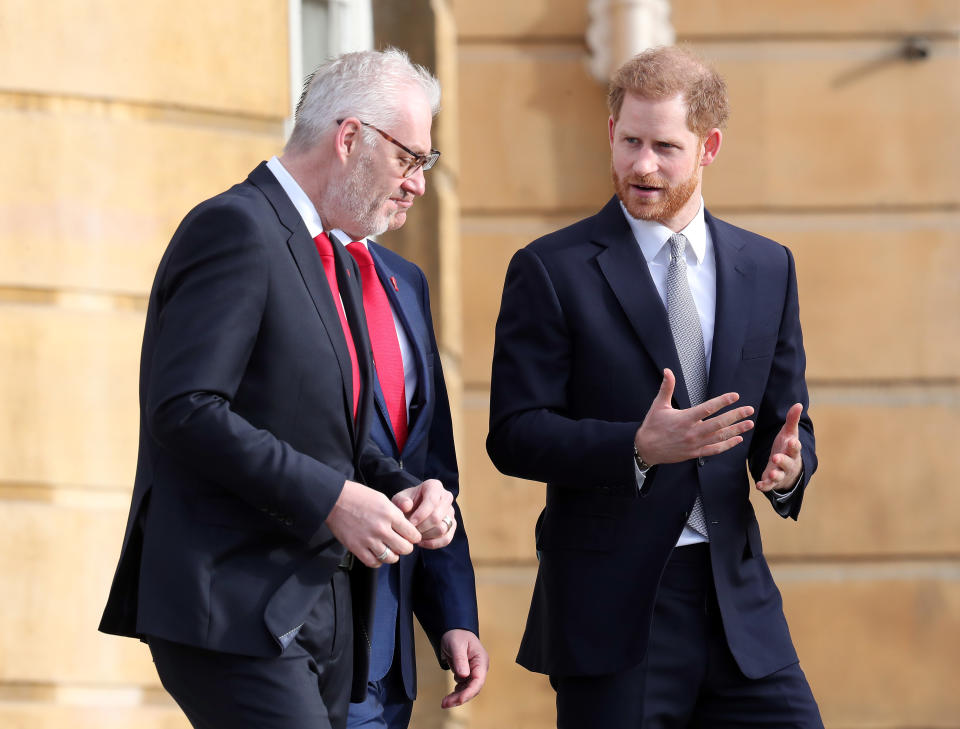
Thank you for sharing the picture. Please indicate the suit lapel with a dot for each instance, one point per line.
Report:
(404, 301)
(625, 269)
(736, 285)
(304, 252)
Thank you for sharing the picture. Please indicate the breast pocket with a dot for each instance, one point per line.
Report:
(757, 347)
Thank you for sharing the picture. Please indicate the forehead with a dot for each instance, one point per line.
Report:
(656, 115)
(414, 122)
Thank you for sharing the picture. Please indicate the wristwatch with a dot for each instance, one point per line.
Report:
(641, 464)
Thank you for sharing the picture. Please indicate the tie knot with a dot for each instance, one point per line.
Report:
(360, 253)
(323, 244)
(678, 245)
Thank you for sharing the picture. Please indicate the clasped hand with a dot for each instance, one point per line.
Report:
(377, 529)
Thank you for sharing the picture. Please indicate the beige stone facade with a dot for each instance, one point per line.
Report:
(116, 118)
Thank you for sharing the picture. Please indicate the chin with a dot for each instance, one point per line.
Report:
(396, 221)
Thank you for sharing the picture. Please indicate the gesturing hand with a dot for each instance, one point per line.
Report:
(668, 435)
(783, 468)
(368, 525)
(429, 507)
(469, 662)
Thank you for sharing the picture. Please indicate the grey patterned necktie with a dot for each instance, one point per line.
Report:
(688, 337)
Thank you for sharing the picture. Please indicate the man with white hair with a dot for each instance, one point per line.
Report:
(258, 493)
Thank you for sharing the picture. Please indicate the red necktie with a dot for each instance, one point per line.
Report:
(383, 338)
(325, 249)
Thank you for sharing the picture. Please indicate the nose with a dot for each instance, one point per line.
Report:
(416, 184)
(645, 162)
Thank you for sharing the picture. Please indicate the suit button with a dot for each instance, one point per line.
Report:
(701, 460)
(288, 522)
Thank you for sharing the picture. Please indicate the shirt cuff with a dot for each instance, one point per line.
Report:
(781, 496)
(641, 475)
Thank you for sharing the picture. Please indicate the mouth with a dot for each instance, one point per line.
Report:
(402, 204)
(646, 190)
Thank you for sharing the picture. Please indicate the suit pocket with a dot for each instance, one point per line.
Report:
(585, 532)
(757, 347)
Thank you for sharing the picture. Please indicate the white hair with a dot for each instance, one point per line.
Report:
(369, 85)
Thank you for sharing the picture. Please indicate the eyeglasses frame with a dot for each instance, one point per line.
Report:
(424, 161)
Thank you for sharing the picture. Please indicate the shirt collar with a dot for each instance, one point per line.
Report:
(298, 197)
(343, 239)
(652, 236)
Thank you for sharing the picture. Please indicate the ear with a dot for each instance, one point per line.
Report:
(711, 146)
(347, 138)
(610, 126)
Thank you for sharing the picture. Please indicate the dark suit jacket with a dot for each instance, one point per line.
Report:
(581, 343)
(246, 431)
(438, 585)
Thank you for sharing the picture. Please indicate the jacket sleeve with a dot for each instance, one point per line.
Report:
(531, 436)
(210, 296)
(444, 587)
(786, 385)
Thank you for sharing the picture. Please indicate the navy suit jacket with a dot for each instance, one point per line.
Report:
(246, 432)
(435, 584)
(581, 343)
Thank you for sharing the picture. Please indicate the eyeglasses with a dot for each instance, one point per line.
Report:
(426, 161)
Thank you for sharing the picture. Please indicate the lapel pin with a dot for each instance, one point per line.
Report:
(393, 280)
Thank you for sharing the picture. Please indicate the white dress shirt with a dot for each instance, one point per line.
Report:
(652, 238)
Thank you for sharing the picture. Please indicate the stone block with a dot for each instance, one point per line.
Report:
(878, 292)
(500, 511)
(823, 18)
(541, 20)
(69, 388)
(215, 55)
(23, 715)
(96, 209)
(513, 696)
(488, 244)
(55, 573)
(834, 126)
(533, 130)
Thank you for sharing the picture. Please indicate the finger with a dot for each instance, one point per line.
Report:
(432, 508)
(665, 395)
(792, 448)
(715, 404)
(469, 686)
(403, 536)
(730, 417)
(446, 524)
(404, 502)
(438, 542)
(464, 691)
(715, 449)
(719, 435)
(791, 426)
(386, 555)
(458, 660)
(772, 478)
